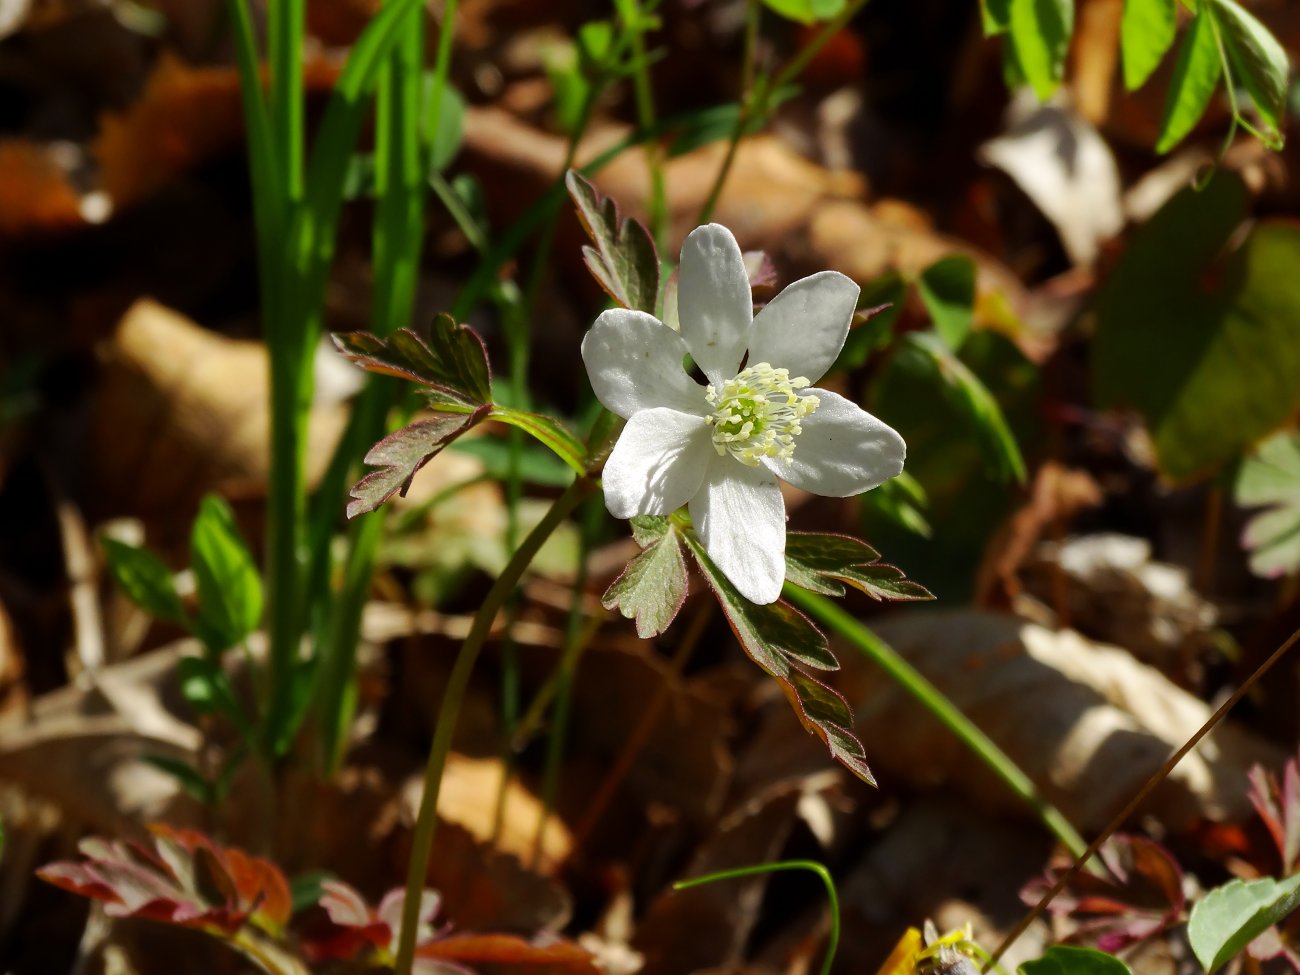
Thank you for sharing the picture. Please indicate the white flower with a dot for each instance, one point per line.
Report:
(721, 447)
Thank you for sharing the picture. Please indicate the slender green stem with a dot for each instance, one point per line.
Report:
(286, 29)
(457, 683)
(934, 701)
(758, 99)
(832, 940)
(749, 102)
(645, 116)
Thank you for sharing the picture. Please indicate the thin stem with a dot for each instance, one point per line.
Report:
(748, 104)
(1122, 816)
(758, 101)
(832, 940)
(457, 683)
(286, 28)
(645, 115)
(934, 701)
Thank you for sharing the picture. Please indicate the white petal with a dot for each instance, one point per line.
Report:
(740, 517)
(634, 363)
(843, 450)
(714, 305)
(804, 327)
(657, 464)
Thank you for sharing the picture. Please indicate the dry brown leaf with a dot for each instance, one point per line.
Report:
(1086, 721)
(35, 194)
(181, 411)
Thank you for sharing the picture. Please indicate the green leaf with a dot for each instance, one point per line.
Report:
(947, 288)
(449, 360)
(1146, 31)
(1204, 344)
(445, 141)
(623, 261)
(1257, 58)
(1230, 917)
(401, 454)
(146, 581)
(824, 563)
(995, 16)
(1071, 960)
(652, 588)
(1271, 477)
(205, 685)
(902, 501)
(229, 587)
(965, 393)
(1040, 35)
(691, 130)
(1196, 76)
(823, 712)
(551, 433)
(806, 11)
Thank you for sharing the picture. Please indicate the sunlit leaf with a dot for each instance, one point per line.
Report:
(964, 391)
(805, 11)
(445, 140)
(947, 288)
(145, 580)
(1259, 62)
(1040, 33)
(1204, 342)
(824, 563)
(623, 261)
(1270, 477)
(229, 586)
(652, 588)
(1147, 31)
(1196, 76)
(1074, 960)
(995, 16)
(1230, 917)
(449, 360)
(825, 713)
(401, 454)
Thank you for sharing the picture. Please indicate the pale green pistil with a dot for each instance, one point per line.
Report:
(758, 414)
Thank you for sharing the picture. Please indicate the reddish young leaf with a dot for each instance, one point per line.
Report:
(187, 880)
(1278, 805)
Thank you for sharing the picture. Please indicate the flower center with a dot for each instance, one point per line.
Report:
(757, 414)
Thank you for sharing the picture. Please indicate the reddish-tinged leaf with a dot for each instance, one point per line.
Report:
(401, 454)
(623, 261)
(449, 360)
(1142, 897)
(1278, 805)
(175, 884)
(823, 563)
(652, 588)
(534, 958)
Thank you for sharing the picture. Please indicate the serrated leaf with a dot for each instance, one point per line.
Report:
(947, 289)
(1258, 60)
(552, 433)
(449, 360)
(1196, 76)
(1230, 917)
(824, 563)
(1271, 477)
(401, 454)
(228, 583)
(964, 391)
(1146, 30)
(1073, 960)
(652, 588)
(146, 581)
(623, 261)
(1040, 34)
(825, 713)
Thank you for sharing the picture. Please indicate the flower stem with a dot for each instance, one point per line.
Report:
(427, 819)
(832, 940)
(934, 701)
